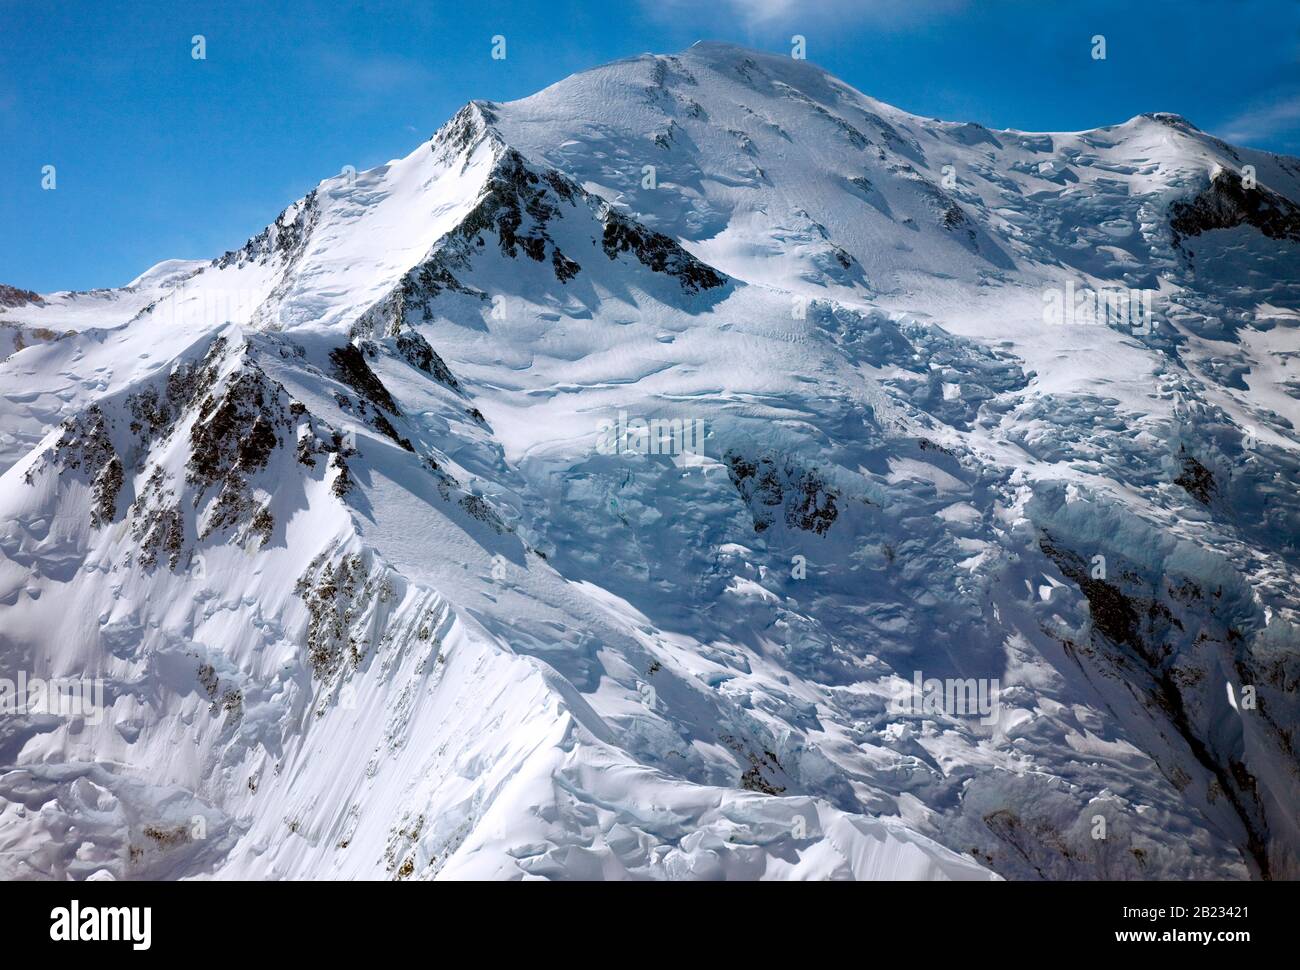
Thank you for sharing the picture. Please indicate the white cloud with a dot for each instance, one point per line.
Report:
(763, 11)
(372, 74)
(782, 13)
(1264, 121)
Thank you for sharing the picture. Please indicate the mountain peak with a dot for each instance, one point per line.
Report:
(661, 439)
(1170, 118)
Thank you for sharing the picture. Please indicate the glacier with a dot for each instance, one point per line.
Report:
(335, 523)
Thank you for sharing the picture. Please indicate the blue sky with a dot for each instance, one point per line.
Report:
(159, 155)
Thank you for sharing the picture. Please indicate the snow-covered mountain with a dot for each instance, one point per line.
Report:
(584, 494)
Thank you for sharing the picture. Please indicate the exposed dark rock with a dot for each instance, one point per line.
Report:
(209, 680)
(337, 598)
(351, 368)
(12, 296)
(806, 500)
(157, 524)
(263, 523)
(658, 252)
(954, 217)
(234, 435)
(21, 337)
(1135, 619)
(342, 483)
(385, 427)
(465, 128)
(562, 187)
(516, 204)
(1226, 203)
(1196, 479)
(284, 238)
(758, 776)
(1115, 615)
(753, 780)
(446, 482)
(168, 837)
(417, 352)
(431, 278)
(1170, 119)
(1038, 843)
(565, 268)
(478, 507)
(86, 446)
(328, 593)
(107, 486)
(512, 190)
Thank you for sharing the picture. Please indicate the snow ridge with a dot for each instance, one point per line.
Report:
(390, 540)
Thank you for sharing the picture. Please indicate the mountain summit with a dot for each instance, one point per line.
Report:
(696, 469)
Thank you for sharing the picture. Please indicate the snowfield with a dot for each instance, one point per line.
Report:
(337, 523)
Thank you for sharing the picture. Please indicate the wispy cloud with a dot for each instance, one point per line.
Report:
(1280, 115)
(757, 14)
(766, 11)
(371, 74)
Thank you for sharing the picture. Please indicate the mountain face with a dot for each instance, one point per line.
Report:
(635, 480)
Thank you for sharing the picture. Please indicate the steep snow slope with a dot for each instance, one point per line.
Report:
(337, 520)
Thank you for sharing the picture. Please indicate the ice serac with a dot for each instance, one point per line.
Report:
(350, 524)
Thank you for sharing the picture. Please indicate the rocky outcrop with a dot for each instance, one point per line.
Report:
(283, 239)
(12, 296)
(657, 252)
(351, 368)
(1167, 641)
(415, 350)
(772, 486)
(1226, 203)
